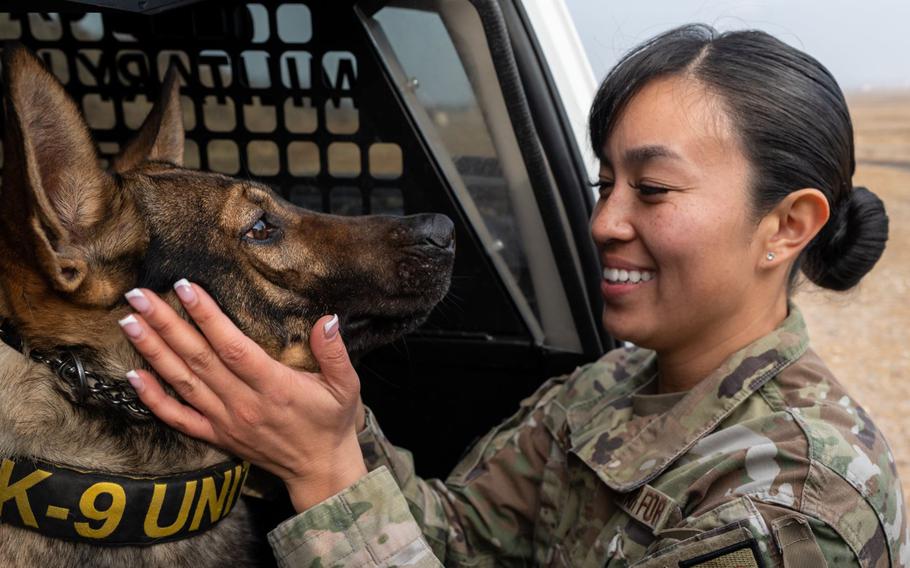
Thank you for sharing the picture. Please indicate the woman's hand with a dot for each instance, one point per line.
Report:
(300, 426)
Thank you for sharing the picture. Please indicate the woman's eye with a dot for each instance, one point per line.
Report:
(260, 231)
(650, 190)
(603, 186)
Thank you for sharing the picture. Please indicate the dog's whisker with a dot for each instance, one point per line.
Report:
(454, 303)
(374, 374)
(401, 347)
(449, 309)
(453, 297)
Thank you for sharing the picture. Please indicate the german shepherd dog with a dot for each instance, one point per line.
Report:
(74, 237)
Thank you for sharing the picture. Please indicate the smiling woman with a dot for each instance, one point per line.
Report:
(719, 438)
(672, 187)
(731, 182)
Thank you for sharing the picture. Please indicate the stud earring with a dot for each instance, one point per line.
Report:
(770, 256)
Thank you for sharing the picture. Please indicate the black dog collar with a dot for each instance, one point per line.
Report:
(82, 383)
(115, 510)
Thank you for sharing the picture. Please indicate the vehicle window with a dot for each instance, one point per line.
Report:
(437, 54)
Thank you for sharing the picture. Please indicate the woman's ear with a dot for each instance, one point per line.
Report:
(792, 224)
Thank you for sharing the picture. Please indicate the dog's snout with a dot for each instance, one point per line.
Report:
(441, 232)
(433, 229)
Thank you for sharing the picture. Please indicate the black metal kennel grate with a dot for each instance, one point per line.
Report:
(267, 93)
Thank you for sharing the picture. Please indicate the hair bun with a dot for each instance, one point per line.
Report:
(850, 243)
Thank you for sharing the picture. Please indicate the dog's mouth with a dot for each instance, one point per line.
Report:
(422, 278)
(362, 332)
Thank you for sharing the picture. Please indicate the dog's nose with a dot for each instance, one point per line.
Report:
(433, 229)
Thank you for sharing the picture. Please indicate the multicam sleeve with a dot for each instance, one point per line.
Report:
(482, 516)
(367, 524)
(485, 512)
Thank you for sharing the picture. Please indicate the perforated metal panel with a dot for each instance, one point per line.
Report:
(267, 94)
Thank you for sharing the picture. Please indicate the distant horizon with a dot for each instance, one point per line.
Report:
(871, 58)
(883, 91)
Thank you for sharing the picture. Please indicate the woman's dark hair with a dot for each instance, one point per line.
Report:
(793, 124)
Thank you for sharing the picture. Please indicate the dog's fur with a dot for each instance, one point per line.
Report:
(74, 238)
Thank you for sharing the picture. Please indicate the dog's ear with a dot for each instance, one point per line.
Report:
(161, 136)
(53, 186)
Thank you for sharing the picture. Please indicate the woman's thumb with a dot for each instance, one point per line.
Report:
(332, 356)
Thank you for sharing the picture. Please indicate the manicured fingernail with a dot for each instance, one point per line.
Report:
(138, 300)
(131, 326)
(330, 328)
(185, 291)
(135, 380)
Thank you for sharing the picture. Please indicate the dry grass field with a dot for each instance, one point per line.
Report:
(864, 334)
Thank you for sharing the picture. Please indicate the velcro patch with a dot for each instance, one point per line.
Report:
(797, 544)
(730, 546)
(743, 555)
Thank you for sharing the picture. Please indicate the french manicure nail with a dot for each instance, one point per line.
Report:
(135, 380)
(131, 326)
(330, 328)
(185, 291)
(138, 300)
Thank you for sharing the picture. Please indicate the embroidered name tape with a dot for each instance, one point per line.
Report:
(650, 507)
(116, 510)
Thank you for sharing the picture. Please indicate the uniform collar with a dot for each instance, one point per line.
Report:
(626, 461)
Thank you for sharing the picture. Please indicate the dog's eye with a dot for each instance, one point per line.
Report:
(260, 231)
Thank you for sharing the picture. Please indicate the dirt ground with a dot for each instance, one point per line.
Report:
(864, 334)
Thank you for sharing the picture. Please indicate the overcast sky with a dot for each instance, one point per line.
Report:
(865, 43)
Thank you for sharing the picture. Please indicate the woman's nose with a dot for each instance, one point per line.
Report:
(612, 219)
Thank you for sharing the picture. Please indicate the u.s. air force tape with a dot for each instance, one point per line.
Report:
(116, 510)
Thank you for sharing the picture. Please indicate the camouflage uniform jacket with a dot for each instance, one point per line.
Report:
(766, 462)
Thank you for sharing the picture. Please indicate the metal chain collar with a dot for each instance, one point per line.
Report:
(82, 383)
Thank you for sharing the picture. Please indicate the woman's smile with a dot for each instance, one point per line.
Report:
(622, 277)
